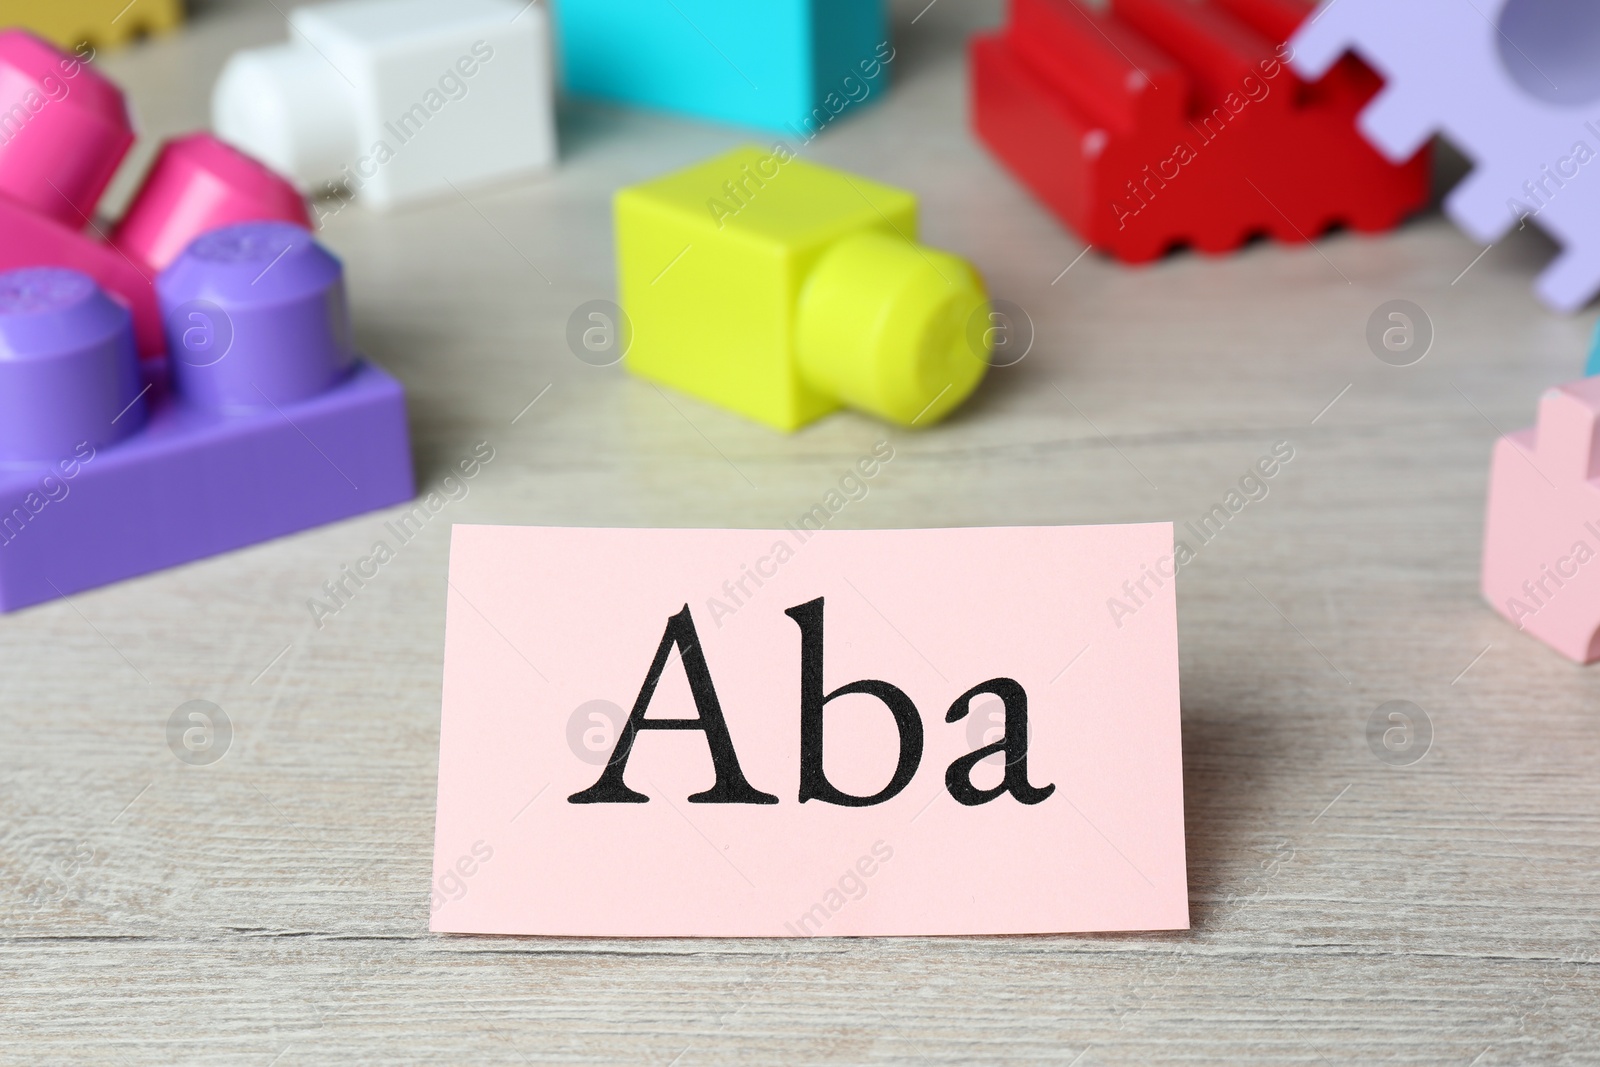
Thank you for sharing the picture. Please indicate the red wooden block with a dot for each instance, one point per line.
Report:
(1178, 122)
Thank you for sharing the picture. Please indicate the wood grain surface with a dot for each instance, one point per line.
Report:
(272, 908)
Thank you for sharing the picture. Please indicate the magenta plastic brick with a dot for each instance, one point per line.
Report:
(269, 422)
(64, 130)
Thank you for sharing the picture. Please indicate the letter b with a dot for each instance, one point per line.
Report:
(814, 784)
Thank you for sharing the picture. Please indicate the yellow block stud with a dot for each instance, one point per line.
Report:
(100, 23)
(783, 290)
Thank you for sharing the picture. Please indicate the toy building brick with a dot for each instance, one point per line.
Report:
(784, 290)
(1165, 123)
(64, 130)
(1541, 541)
(793, 66)
(263, 421)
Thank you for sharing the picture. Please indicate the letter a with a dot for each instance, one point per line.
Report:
(731, 786)
(814, 784)
(958, 778)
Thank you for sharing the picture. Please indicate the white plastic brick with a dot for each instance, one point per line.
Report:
(397, 100)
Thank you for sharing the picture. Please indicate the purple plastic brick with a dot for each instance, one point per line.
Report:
(90, 494)
(69, 371)
(255, 315)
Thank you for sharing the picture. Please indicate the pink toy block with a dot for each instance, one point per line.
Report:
(198, 184)
(32, 240)
(63, 132)
(1541, 543)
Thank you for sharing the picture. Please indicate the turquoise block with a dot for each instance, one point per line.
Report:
(1593, 366)
(790, 65)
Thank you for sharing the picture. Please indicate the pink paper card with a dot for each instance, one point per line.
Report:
(772, 733)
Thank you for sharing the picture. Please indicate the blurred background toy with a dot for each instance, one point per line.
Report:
(396, 100)
(268, 423)
(789, 65)
(1541, 540)
(1512, 83)
(783, 290)
(64, 130)
(197, 184)
(96, 23)
(1162, 123)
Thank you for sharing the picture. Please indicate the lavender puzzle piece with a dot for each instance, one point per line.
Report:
(265, 423)
(1515, 84)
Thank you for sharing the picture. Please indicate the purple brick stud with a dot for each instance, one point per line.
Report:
(69, 369)
(256, 317)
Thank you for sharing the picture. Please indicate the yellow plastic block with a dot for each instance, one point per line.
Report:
(101, 23)
(783, 290)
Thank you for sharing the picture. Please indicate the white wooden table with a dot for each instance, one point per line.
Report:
(272, 908)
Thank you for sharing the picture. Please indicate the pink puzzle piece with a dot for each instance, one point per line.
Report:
(1541, 544)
